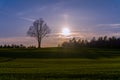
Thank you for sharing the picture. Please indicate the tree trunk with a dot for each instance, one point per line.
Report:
(39, 43)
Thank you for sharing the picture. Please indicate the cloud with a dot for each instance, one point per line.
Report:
(53, 39)
(28, 19)
(20, 13)
(108, 29)
(39, 9)
(43, 8)
(28, 41)
(18, 40)
(109, 25)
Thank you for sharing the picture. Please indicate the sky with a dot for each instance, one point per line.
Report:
(84, 18)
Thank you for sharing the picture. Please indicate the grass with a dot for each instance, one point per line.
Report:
(60, 64)
(59, 53)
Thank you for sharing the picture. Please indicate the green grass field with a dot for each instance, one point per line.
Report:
(60, 64)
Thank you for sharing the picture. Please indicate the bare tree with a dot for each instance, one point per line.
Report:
(39, 30)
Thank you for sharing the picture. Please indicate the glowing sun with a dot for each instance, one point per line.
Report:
(65, 31)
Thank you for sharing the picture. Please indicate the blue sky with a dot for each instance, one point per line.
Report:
(95, 17)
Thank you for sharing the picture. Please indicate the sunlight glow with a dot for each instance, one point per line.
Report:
(65, 31)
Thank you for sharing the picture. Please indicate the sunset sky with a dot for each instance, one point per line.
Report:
(84, 18)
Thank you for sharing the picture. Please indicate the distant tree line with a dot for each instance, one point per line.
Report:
(15, 46)
(100, 42)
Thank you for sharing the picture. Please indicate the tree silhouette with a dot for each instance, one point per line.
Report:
(39, 30)
(100, 42)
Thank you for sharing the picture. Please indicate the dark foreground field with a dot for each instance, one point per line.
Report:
(59, 64)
